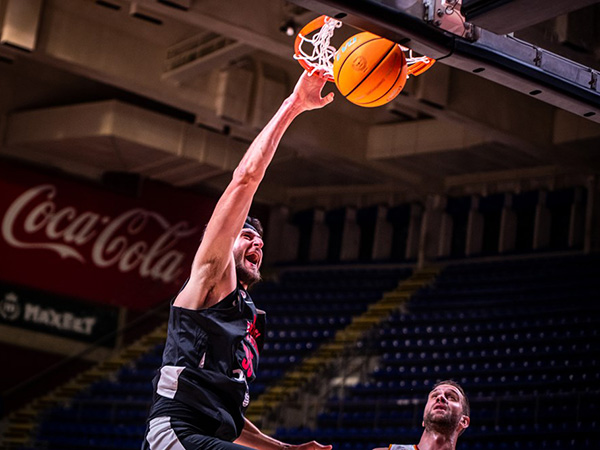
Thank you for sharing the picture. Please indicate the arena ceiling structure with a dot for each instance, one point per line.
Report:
(175, 90)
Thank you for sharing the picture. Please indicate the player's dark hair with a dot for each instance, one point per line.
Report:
(255, 224)
(252, 221)
(465, 400)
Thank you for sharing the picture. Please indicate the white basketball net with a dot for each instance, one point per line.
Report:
(411, 59)
(321, 58)
(323, 53)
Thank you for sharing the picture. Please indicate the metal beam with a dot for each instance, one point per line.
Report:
(502, 17)
(516, 64)
(200, 58)
(197, 18)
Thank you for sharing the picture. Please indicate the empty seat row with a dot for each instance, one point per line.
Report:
(391, 366)
(501, 330)
(286, 334)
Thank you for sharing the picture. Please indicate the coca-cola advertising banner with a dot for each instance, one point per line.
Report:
(76, 239)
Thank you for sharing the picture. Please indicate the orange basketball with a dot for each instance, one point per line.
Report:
(369, 70)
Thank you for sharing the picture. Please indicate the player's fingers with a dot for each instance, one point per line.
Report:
(328, 98)
(319, 74)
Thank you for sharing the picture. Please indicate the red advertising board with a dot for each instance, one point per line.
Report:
(77, 239)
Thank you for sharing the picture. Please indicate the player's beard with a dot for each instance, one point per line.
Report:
(244, 275)
(443, 424)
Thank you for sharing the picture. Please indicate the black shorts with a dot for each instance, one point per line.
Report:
(173, 434)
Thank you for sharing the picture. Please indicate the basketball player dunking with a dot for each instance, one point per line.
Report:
(214, 333)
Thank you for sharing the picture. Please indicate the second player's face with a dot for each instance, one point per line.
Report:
(444, 410)
(247, 252)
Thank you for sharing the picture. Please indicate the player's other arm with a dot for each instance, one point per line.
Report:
(213, 271)
(252, 437)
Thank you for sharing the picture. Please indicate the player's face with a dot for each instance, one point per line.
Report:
(444, 410)
(247, 252)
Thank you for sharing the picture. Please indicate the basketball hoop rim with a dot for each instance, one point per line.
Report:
(310, 27)
(416, 66)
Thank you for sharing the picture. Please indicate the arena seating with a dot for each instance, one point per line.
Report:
(521, 336)
(305, 308)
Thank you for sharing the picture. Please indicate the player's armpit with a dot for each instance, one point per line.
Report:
(207, 286)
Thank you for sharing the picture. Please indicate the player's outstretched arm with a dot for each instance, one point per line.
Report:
(252, 437)
(213, 270)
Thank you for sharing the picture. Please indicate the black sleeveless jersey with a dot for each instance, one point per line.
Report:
(210, 357)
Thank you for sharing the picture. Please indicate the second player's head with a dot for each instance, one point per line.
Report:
(447, 410)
